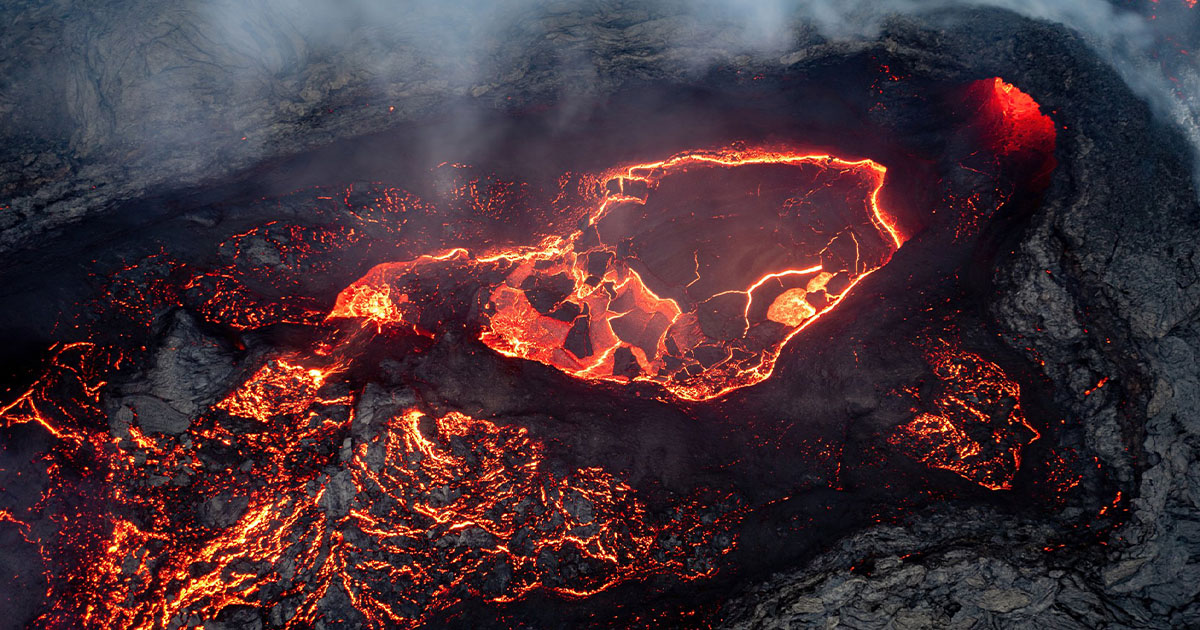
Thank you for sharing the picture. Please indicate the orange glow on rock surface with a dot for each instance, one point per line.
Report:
(973, 425)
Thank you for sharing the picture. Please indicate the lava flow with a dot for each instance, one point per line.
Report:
(422, 513)
(214, 476)
(974, 425)
(692, 272)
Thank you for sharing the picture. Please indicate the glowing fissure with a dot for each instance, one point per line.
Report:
(583, 303)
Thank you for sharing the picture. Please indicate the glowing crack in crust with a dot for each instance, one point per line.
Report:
(693, 272)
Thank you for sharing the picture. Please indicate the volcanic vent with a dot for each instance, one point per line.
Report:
(607, 375)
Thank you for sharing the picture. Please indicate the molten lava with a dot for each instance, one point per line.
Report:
(423, 513)
(692, 272)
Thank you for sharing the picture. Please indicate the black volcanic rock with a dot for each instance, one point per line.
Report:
(546, 292)
(222, 511)
(189, 371)
(154, 415)
(625, 364)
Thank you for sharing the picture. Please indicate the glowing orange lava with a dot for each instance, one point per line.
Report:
(279, 387)
(606, 303)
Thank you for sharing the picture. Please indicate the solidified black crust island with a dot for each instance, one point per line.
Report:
(598, 314)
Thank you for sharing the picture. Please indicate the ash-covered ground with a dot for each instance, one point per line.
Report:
(992, 428)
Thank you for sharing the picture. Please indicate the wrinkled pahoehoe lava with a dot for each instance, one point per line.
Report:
(638, 331)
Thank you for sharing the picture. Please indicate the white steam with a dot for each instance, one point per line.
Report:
(460, 44)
